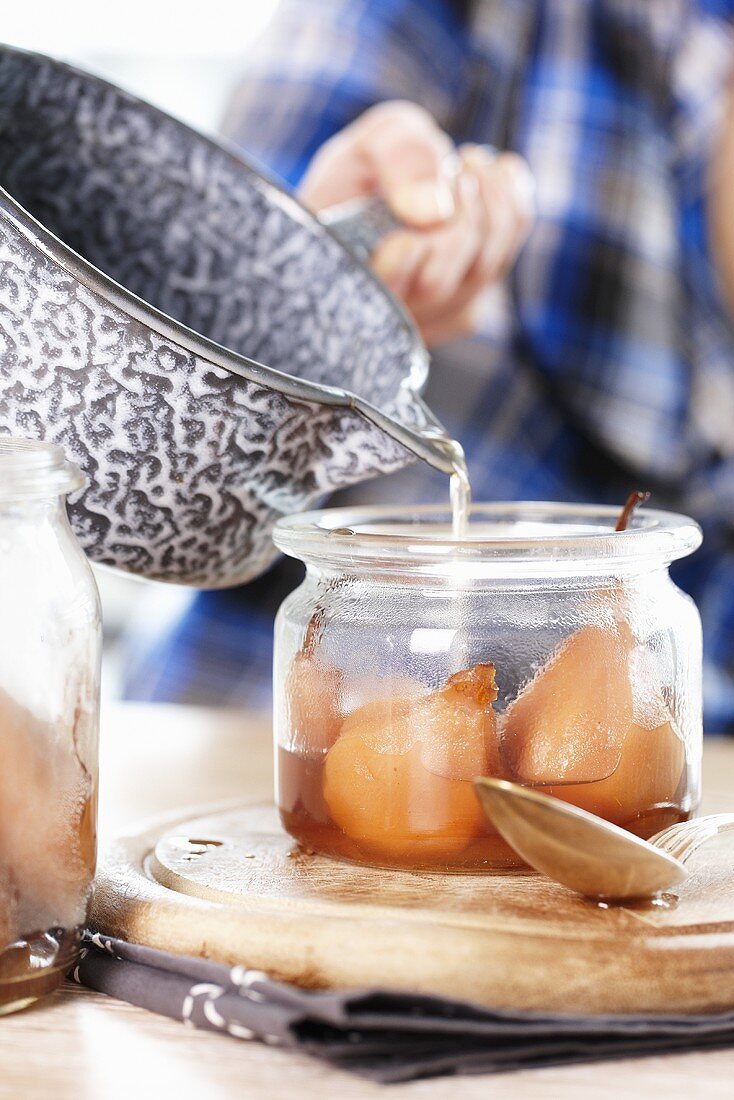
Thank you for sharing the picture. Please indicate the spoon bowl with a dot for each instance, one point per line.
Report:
(574, 847)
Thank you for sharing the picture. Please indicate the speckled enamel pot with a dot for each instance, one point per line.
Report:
(201, 345)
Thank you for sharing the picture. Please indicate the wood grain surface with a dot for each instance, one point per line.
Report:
(82, 1046)
(231, 885)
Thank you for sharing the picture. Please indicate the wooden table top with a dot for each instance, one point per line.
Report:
(83, 1046)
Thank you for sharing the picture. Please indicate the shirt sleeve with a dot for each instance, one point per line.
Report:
(320, 64)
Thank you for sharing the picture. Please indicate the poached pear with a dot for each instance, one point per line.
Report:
(399, 771)
(569, 723)
(646, 779)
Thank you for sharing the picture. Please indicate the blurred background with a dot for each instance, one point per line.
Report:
(580, 353)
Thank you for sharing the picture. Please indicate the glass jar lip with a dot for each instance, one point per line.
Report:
(530, 534)
(32, 468)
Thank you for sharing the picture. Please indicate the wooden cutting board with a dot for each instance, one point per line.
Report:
(228, 884)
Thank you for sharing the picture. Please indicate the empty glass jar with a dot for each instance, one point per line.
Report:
(544, 648)
(49, 707)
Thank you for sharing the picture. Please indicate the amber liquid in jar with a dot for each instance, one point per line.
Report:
(48, 809)
(446, 830)
(305, 815)
(390, 782)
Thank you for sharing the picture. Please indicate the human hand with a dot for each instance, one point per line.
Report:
(467, 212)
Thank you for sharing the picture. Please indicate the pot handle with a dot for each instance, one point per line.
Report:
(360, 223)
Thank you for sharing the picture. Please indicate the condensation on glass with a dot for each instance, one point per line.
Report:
(49, 705)
(544, 647)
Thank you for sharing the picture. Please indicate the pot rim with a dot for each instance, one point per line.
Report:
(542, 536)
(101, 284)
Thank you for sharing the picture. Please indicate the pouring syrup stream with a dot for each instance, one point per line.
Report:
(459, 485)
(459, 493)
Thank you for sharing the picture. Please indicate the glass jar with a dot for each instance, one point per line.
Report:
(50, 645)
(544, 648)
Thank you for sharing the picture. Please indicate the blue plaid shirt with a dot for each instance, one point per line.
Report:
(606, 360)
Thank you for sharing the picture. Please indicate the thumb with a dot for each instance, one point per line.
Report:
(395, 149)
(412, 163)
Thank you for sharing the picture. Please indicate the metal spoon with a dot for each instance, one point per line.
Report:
(586, 853)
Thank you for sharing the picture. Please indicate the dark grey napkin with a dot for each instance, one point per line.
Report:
(382, 1035)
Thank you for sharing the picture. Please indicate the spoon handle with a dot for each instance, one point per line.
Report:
(685, 838)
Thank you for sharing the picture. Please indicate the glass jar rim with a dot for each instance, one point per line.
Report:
(537, 536)
(32, 468)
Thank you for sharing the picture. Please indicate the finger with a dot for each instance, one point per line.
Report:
(397, 259)
(456, 317)
(506, 203)
(412, 161)
(493, 217)
(336, 174)
(396, 149)
(453, 249)
(452, 315)
(512, 168)
(452, 325)
(506, 187)
(459, 317)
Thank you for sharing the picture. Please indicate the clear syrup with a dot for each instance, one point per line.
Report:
(460, 497)
(459, 484)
